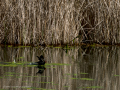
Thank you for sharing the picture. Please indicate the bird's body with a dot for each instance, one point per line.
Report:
(40, 62)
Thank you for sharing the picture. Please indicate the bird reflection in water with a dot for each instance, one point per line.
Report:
(41, 69)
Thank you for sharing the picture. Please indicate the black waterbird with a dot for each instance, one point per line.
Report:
(40, 62)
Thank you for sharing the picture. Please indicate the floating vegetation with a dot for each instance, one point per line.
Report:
(68, 48)
(37, 82)
(67, 74)
(91, 87)
(30, 65)
(54, 84)
(57, 47)
(1, 77)
(45, 82)
(48, 67)
(8, 75)
(86, 79)
(83, 73)
(116, 75)
(58, 64)
(30, 76)
(21, 46)
(45, 76)
(27, 87)
(10, 65)
(50, 46)
(75, 78)
(20, 57)
(75, 74)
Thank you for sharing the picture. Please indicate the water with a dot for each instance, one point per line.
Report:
(77, 68)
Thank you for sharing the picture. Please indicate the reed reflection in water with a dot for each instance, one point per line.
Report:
(96, 68)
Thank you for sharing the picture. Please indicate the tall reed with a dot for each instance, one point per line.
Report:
(41, 22)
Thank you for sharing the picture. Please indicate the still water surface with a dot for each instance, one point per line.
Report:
(77, 68)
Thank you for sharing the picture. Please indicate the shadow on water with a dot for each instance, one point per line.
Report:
(80, 68)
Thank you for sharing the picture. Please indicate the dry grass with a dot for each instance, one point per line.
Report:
(41, 22)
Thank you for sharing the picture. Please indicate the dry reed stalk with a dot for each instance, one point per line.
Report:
(59, 22)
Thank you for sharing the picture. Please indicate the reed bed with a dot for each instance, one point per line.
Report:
(40, 22)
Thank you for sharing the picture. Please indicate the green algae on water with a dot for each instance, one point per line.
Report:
(91, 87)
(86, 79)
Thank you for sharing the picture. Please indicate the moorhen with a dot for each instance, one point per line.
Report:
(40, 62)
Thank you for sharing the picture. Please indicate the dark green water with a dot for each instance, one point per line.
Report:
(77, 68)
